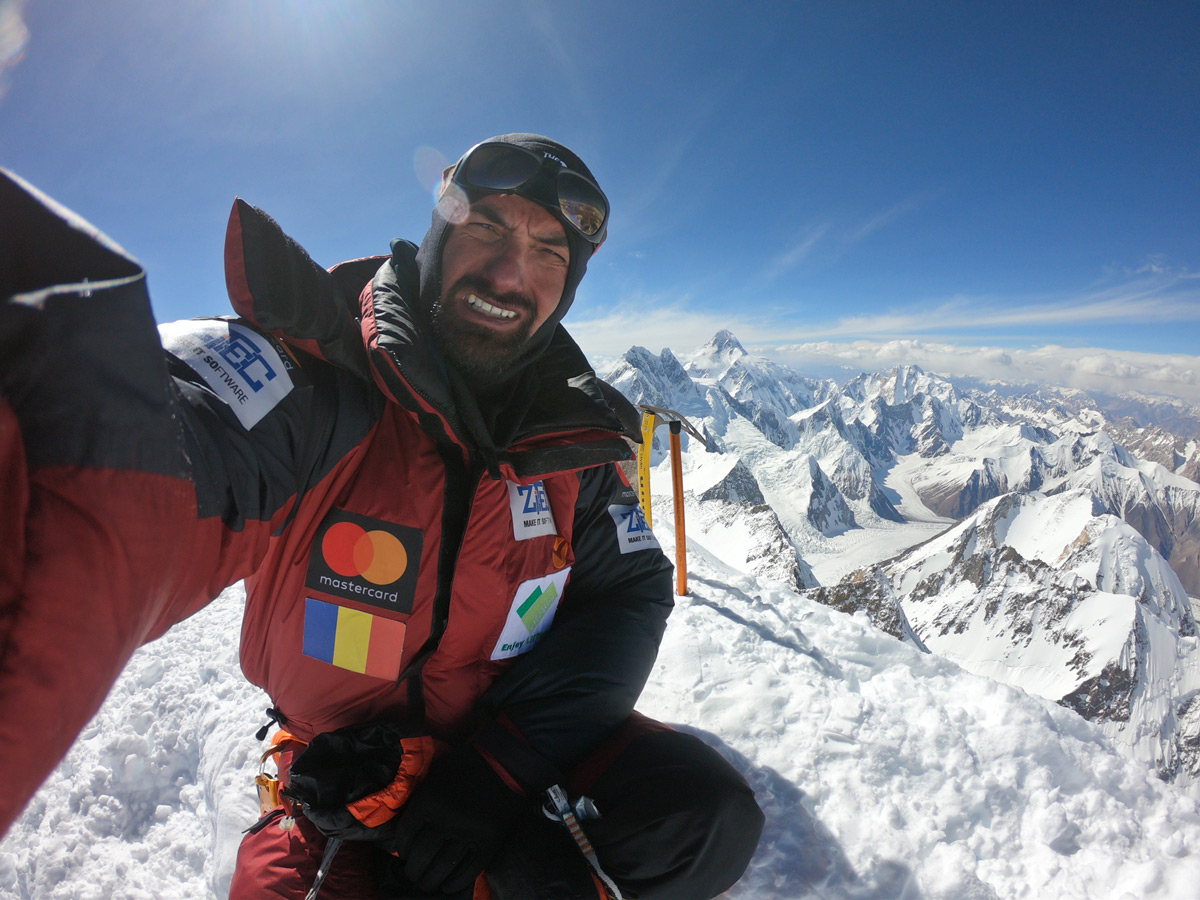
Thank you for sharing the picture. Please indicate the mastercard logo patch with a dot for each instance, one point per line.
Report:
(366, 560)
(377, 556)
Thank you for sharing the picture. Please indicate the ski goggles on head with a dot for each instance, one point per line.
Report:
(509, 168)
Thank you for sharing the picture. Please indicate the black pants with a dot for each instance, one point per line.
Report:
(677, 822)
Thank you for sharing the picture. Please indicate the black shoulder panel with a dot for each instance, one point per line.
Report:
(273, 282)
(250, 454)
(80, 359)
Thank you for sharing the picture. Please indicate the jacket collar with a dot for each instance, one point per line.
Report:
(556, 398)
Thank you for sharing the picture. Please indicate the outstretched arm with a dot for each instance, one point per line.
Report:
(134, 488)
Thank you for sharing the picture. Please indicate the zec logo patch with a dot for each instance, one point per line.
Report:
(366, 560)
(633, 531)
(531, 513)
(247, 370)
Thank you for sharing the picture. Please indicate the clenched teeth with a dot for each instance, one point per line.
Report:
(487, 309)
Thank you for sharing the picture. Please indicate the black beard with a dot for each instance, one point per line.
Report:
(475, 350)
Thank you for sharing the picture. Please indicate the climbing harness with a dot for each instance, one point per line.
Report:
(265, 783)
(270, 802)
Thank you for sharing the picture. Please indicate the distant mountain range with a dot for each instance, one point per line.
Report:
(1044, 537)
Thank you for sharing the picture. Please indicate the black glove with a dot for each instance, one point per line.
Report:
(347, 765)
(454, 822)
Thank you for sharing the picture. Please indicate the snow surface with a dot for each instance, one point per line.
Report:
(884, 772)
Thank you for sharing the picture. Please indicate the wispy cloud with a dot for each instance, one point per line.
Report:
(827, 241)
(541, 16)
(884, 218)
(642, 211)
(1155, 298)
(800, 250)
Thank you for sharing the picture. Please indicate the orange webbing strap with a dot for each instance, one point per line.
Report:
(280, 742)
(419, 753)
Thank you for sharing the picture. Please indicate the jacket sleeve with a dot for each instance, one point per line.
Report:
(582, 680)
(134, 492)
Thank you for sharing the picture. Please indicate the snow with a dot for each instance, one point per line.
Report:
(834, 558)
(702, 470)
(900, 481)
(1043, 530)
(1099, 596)
(884, 772)
(890, 773)
(1100, 624)
(152, 799)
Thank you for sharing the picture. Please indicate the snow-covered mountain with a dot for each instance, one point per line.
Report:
(1163, 506)
(729, 510)
(1055, 596)
(1095, 617)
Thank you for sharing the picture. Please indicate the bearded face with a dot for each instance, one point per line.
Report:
(505, 266)
(480, 349)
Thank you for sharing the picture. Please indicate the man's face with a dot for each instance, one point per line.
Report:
(504, 267)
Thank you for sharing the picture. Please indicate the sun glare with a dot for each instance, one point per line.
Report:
(428, 165)
(311, 28)
(14, 36)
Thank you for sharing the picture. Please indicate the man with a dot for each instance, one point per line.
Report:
(448, 598)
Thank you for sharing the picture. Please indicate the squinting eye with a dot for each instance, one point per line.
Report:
(482, 229)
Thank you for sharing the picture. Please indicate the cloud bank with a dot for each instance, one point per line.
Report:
(1088, 368)
(982, 337)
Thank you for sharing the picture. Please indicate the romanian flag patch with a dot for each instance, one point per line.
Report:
(352, 639)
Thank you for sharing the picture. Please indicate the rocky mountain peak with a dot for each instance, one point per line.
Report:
(725, 344)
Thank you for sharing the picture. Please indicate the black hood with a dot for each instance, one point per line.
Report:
(429, 256)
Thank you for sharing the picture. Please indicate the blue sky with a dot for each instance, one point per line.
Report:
(1005, 189)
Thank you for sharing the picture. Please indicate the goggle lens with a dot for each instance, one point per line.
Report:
(497, 167)
(506, 167)
(581, 202)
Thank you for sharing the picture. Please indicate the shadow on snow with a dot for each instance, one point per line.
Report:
(797, 856)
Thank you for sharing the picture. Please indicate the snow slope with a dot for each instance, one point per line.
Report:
(884, 772)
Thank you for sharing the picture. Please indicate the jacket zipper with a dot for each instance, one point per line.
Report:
(459, 498)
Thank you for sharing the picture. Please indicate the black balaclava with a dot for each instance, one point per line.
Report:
(429, 256)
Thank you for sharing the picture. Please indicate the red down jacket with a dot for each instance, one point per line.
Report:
(395, 565)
